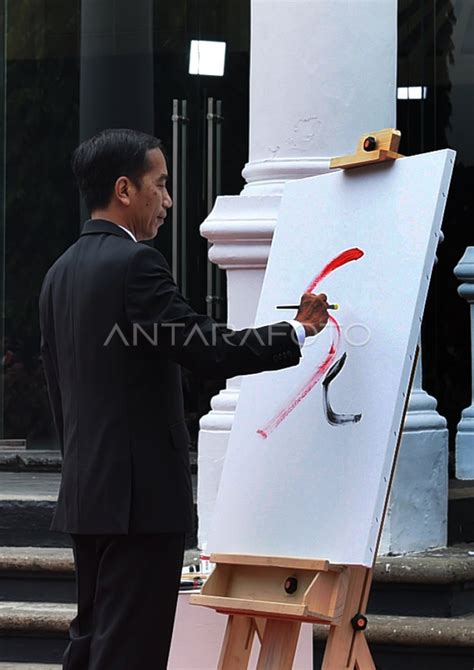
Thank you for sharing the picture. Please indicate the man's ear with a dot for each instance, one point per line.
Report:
(122, 190)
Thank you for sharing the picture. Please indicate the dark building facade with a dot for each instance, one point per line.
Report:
(71, 68)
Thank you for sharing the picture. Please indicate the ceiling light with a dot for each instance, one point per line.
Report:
(411, 92)
(207, 58)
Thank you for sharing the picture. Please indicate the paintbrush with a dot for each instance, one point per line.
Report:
(334, 306)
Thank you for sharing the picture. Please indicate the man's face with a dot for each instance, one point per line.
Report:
(149, 203)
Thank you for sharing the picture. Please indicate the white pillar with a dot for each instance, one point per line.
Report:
(464, 271)
(417, 514)
(323, 72)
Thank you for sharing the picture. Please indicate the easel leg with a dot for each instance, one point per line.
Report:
(347, 649)
(363, 657)
(260, 624)
(279, 645)
(237, 644)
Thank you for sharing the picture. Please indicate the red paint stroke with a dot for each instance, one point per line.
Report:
(306, 388)
(343, 258)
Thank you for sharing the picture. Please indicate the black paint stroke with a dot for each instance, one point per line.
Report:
(333, 418)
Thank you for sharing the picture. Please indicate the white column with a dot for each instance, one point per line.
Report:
(464, 272)
(323, 72)
(417, 514)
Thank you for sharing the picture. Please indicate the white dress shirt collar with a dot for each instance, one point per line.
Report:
(129, 232)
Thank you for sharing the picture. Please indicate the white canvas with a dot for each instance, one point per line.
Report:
(313, 483)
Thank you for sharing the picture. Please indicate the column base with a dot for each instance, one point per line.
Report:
(465, 455)
(417, 514)
(212, 448)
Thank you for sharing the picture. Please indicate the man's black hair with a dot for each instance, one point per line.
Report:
(98, 162)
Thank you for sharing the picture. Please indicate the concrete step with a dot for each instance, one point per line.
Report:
(30, 460)
(436, 583)
(414, 643)
(461, 511)
(27, 501)
(37, 632)
(46, 460)
(33, 574)
(34, 632)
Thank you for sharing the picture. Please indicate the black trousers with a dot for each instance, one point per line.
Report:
(127, 588)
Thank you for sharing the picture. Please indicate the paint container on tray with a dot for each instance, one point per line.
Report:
(206, 566)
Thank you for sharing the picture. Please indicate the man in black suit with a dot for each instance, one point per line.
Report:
(115, 330)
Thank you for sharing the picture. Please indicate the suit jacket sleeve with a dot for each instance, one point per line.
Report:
(155, 308)
(50, 370)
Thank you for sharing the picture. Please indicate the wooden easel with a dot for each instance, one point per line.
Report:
(256, 593)
(271, 597)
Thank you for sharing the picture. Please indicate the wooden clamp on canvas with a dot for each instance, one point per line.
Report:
(272, 596)
(372, 148)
